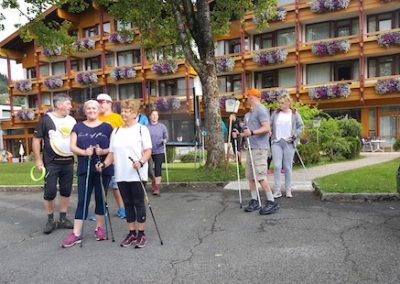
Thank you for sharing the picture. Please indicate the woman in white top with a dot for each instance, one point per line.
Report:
(130, 141)
(286, 126)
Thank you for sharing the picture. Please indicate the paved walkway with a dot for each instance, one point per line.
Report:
(302, 178)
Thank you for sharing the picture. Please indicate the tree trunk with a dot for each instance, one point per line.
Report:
(215, 143)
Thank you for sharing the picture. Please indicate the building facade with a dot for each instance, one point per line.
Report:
(343, 57)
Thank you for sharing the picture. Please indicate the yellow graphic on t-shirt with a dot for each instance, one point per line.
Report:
(60, 141)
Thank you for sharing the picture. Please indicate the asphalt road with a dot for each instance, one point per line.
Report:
(208, 239)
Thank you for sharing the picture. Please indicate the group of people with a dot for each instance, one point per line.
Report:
(265, 133)
(112, 150)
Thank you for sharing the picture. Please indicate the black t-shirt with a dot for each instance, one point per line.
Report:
(55, 132)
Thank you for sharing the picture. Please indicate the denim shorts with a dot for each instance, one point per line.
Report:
(113, 184)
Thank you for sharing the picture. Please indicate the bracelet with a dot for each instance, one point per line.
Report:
(141, 163)
(252, 132)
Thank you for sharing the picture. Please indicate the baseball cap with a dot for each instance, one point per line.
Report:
(254, 92)
(103, 97)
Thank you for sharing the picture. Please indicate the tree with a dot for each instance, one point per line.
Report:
(188, 23)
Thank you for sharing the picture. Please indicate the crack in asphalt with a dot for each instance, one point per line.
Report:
(213, 229)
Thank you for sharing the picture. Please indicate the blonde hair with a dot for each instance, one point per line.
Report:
(91, 102)
(287, 98)
(132, 105)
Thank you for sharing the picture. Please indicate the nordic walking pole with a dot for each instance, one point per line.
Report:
(302, 163)
(148, 202)
(237, 170)
(166, 162)
(254, 171)
(85, 198)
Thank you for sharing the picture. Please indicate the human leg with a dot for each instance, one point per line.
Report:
(288, 155)
(277, 155)
(157, 160)
(50, 192)
(126, 193)
(65, 184)
(138, 200)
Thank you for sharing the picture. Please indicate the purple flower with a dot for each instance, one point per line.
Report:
(388, 39)
(121, 37)
(280, 15)
(53, 82)
(270, 56)
(224, 64)
(329, 91)
(83, 44)
(164, 67)
(26, 114)
(123, 73)
(330, 47)
(272, 95)
(86, 78)
(163, 104)
(56, 51)
(23, 86)
(322, 6)
(387, 86)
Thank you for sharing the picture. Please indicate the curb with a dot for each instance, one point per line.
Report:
(360, 197)
(171, 186)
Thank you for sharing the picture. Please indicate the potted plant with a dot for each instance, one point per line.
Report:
(322, 6)
(123, 73)
(224, 64)
(329, 91)
(86, 78)
(267, 57)
(387, 86)
(53, 82)
(24, 86)
(330, 47)
(26, 114)
(164, 67)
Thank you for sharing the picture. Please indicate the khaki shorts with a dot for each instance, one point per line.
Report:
(260, 158)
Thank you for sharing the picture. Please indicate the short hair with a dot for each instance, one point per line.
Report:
(91, 102)
(132, 105)
(60, 98)
(286, 97)
(153, 110)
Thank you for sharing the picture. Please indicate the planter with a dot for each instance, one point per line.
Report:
(224, 64)
(322, 6)
(280, 15)
(329, 92)
(163, 104)
(23, 86)
(86, 78)
(270, 56)
(53, 82)
(387, 86)
(84, 44)
(388, 39)
(331, 47)
(25, 115)
(272, 95)
(121, 37)
(123, 73)
(164, 67)
(52, 51)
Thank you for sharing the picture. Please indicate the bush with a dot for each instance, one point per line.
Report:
(396, 145)
(190, 156)
(171, 153)
(349, 127)
(309, 153)
(354, 148)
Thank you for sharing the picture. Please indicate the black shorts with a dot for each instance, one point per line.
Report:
(63, 174)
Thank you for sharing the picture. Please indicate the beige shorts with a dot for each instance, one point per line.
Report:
(260, 164)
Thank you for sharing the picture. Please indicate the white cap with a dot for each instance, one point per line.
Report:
(103, 97)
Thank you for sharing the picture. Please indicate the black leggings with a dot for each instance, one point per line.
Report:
(133, 197)
(156, 162)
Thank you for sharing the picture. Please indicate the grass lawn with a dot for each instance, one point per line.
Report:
(375, 178)
(19, 173)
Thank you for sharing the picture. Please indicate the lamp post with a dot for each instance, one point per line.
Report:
(232, 107)
(317, 124)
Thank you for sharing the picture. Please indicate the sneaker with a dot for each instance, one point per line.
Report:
(92, 217)
(270, 207)
(156, 191)
(253, 206)
(65, 224)
(141, 242)
(277, 194)
(49, 227)
(71, 240)
(129, 240)
(121, 213)
(289, 194)
(99, 234)
(270, 172)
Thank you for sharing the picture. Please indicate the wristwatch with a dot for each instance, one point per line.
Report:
(141, 163)
(252, 132)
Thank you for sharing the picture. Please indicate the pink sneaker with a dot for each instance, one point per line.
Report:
(141, 241)
(71, 240)
(99, 234)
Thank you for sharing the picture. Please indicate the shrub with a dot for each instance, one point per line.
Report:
(190, 156)
(349, 128)
(309, 153)
(396, 145)
(354, 148)
(171, 154)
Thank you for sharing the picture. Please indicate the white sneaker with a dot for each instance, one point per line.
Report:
(277, 194)
(289, 194)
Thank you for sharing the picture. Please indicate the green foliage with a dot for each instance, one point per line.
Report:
(396, 145)
(349, 127)
(171, 153)
(193, 156)
(354, 148)
(310, 154)
(3, 84)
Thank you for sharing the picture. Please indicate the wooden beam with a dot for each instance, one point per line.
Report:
(4, 53)
(67, 16)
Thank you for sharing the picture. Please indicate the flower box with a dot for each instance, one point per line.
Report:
(25, 114)
(387, 86)
(86, 78)
(329, 91)
(23, 86)
(123, 73)
(52, 51)
(388, 39)
(270, 56)
(322, 6)
(163, 104)
(272, 95)
(120, 37)
(280, 15)
(164, 67)
(330, 47)
(224, 64)
(84, 44)
(53, 82)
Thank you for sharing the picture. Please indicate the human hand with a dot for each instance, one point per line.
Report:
(89, 151)
(99, 151)
(100, 166)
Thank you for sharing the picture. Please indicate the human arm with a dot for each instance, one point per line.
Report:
(78, 151)
(36, 145)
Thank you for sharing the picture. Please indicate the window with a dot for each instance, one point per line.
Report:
(107, 27)
(273, 39)
(284, 2)
(128, 57)
(318, 31)
(44, 70)
(91, 31)
(75, 65)
(232, 83)
(73, 33)
(121, 26)
(130, 91)
(285, 37)
(110, 59)
(284, 77)
(232, 46)
(331, 29)
(263, 41)
(346, 28)
(384, 66)
(58, 68)
(30, 73)
(172, 87)
(93, 63)
(335, 71)
(383, 22)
